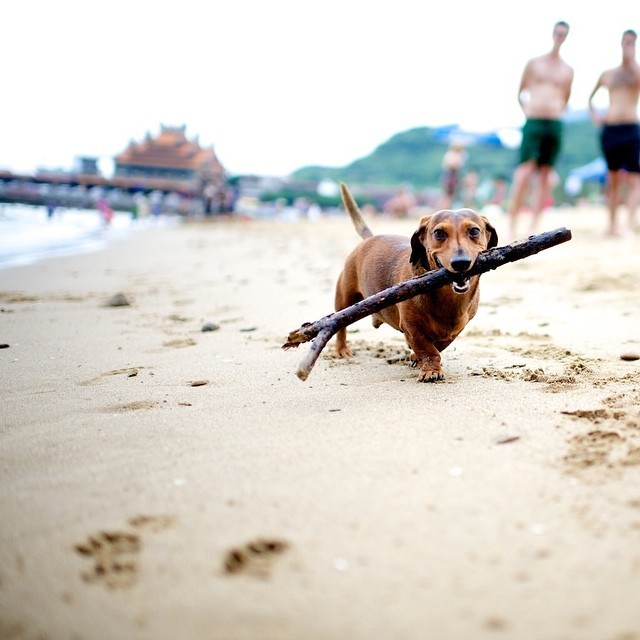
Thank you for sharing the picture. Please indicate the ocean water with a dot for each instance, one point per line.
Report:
(27, 235)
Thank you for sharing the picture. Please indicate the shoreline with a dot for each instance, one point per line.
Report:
(160, 481)
(29, 236)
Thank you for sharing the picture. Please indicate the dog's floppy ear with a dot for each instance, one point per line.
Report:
(493, 234)
(418, 251)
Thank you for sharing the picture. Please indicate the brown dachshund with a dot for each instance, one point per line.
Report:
(430, 322)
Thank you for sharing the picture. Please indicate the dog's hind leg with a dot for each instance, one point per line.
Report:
(345, 297)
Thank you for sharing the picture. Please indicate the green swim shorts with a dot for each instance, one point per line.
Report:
(541, 141)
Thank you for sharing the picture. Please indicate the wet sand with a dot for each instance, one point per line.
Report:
(160, 481)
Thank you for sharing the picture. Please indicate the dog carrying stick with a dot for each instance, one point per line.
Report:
(323, 329)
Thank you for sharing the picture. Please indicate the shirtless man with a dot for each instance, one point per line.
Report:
(620, 135)
(543, 96)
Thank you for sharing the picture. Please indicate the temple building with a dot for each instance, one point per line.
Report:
(171, 162)
(175, 172)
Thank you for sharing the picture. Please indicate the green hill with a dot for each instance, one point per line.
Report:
(414, 157)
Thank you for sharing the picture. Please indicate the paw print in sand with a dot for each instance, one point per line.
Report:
(114, 556)
(255, 558)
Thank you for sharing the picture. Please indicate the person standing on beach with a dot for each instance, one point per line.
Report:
(452, 164)
(543, 95)
(620, 134)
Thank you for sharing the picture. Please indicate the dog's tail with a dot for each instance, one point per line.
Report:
(354, 212)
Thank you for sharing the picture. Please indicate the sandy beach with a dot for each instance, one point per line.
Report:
(158, 481)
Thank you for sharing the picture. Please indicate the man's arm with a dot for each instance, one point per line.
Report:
(567, 89)
(524, 86)
(595, 116)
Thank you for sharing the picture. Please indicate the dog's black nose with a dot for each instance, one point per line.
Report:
(460, 263)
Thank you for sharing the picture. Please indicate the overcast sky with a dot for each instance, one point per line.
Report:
(276, 85)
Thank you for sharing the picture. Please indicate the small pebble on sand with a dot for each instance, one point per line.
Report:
(118, 300)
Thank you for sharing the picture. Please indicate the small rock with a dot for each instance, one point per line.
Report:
(629, 357)
(4, 345)
(118, 300)
(210, 326)
(248, 329)
(199, 383)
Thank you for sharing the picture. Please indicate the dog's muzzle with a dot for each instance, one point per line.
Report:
(459, 264)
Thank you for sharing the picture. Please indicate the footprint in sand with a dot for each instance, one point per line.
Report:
(613, 441)
(115, 554)
(179, 343)
(136, 405)
(592, 449)
(255, 558)
(391, 353)
(129, 372)
(554, 383)
(151, 523)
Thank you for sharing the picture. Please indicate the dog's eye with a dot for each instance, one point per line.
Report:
(474, 232)
(440, 235)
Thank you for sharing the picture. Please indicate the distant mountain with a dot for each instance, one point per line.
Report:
(414, 158)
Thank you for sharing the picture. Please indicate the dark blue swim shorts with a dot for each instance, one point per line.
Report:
(621, 146)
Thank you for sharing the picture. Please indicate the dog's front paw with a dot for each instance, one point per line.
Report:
(430, 369)
(430, 375)
(343, 352)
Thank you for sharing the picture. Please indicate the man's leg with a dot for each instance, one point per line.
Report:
(613, 199)
(521, 178)
(633, 199)
(541, 195)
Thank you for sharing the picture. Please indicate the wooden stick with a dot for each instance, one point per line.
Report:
(324, 328)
